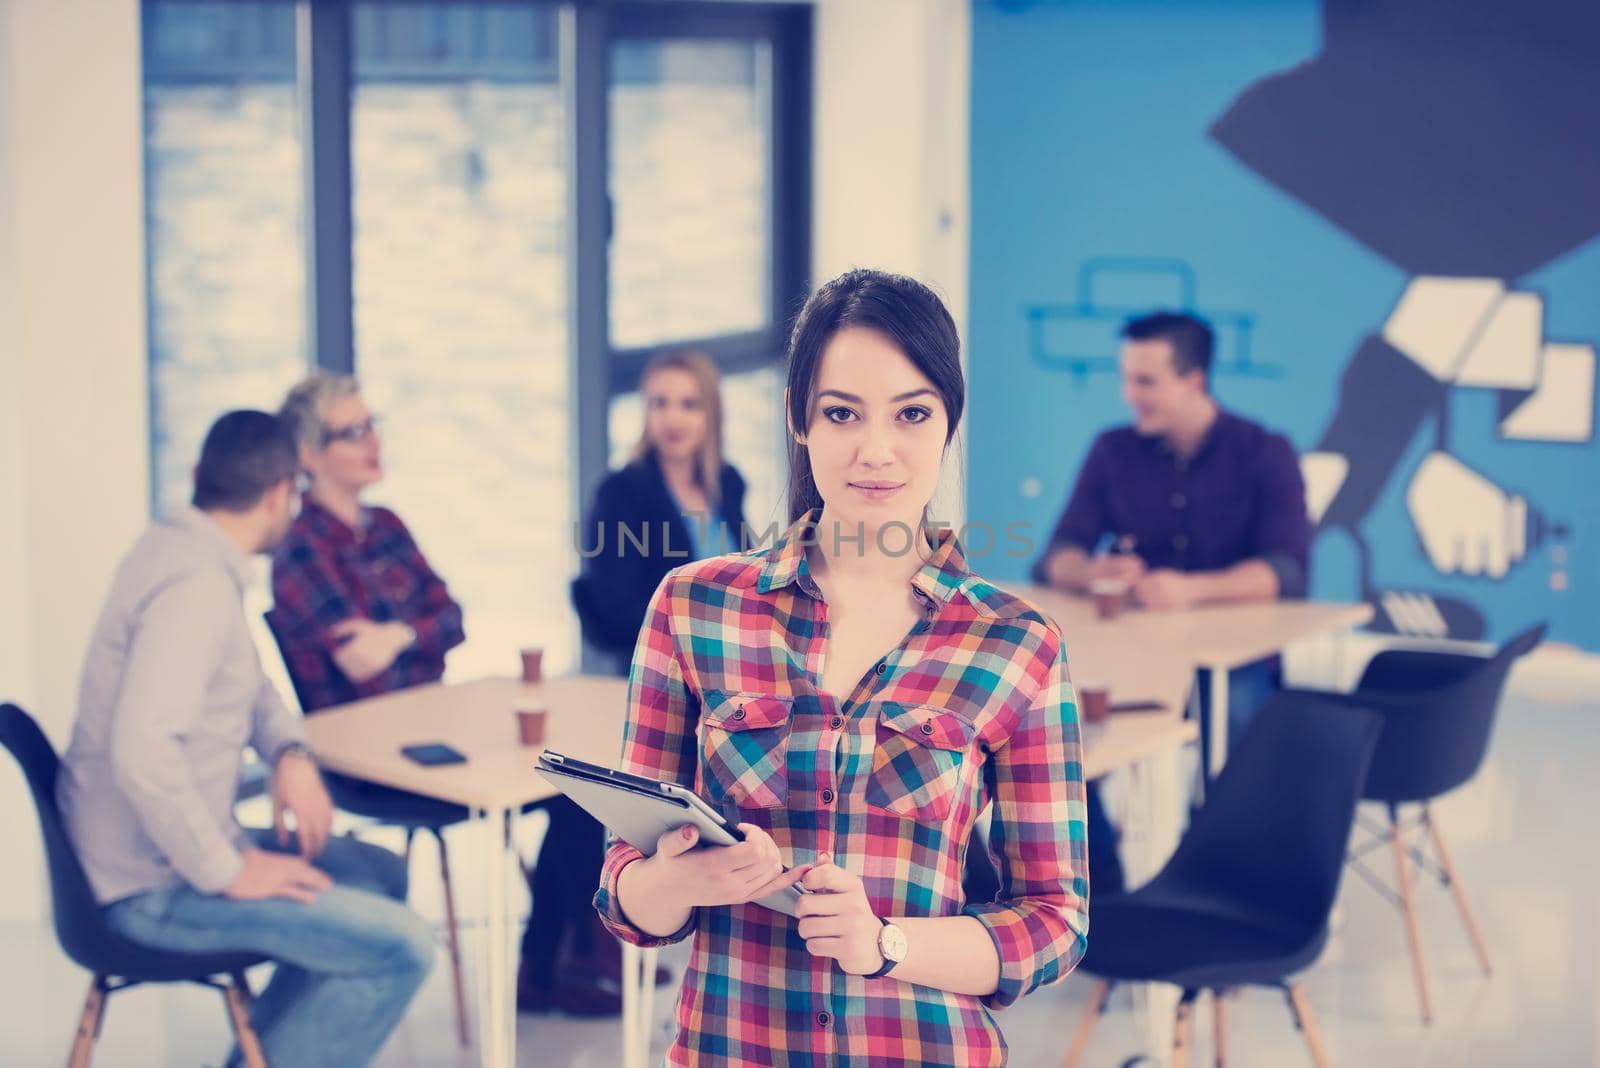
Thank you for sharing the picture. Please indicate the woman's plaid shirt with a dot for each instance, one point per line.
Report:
(973, 707)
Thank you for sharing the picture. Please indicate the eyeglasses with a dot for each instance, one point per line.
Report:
(354, 434)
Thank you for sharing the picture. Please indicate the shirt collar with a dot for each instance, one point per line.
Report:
(1207, 442)
(938, 579)
(329, 526)
(1214, 433)
(234, 558)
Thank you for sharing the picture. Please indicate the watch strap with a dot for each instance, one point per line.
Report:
(888, 965)
(291, 748)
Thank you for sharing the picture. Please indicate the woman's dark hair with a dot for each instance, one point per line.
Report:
(905, 311)
(245, 454)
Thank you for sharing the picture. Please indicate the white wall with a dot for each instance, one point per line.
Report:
(890, 169)
(74, 446)
(16, 658)
(21, 896)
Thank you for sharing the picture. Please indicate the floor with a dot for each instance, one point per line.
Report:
(1521, 834)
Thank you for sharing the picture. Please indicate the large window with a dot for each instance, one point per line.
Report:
(224, 161)
(493, 213)
(458, 169)
(690, 176)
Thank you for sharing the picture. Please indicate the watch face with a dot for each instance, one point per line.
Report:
(892, 943)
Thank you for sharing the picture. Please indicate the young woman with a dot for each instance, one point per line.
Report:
(675, 500)
(853, 696)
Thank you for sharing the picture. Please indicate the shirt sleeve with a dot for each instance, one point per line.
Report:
(1282, 534)
(1040, 919)
(658, 742)
(308, 597)
(1087, 515)
(175, 648)
(613, 605)
(272, 724)
(438, 626)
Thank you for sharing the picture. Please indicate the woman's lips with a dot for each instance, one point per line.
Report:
(877, 491)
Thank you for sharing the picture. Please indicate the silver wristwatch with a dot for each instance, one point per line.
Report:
(293, 749)
(891, 946)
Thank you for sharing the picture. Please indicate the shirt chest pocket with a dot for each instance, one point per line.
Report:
(916, 767)
(744, 748)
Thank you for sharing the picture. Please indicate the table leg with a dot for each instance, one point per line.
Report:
(1217, 727)
(496, 1015)
(1196, 710)
(638, 1003)
(484, 836)
(631, 998)
(1159, 805)
(510, 865)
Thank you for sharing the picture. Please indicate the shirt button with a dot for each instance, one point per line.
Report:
(927, 728)
(836, 722)
(738, 713)
(1180, 542)
(823, 1018)
(1179, 500)
(827, 797)
(882, 667)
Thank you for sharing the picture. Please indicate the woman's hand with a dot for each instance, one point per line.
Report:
(720, 875)
(835, 919)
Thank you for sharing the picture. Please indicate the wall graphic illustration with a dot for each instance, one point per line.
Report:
(1466, 178)
(1388, 209)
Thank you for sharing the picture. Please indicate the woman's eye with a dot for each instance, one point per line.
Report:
(916, 415)
(838, 415)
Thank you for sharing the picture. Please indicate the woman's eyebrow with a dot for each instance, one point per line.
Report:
(853, 399)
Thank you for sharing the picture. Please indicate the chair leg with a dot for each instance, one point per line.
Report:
(452, 938)
(1306, 1021)
(237, 996)
(1408, 906)
(1456, 891)
(94, 1009)
(1091, 1016)
(1219, 1026)
(1183, 1030)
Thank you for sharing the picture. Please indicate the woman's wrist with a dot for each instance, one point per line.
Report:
(650, 900)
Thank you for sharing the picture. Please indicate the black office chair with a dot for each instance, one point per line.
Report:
(1438, 716)
(411, 812)
(81, 928)
(1245, 899)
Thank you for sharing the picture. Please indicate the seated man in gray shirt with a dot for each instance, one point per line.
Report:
(172, 693)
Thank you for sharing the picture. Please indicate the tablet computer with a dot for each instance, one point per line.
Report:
(641, 810)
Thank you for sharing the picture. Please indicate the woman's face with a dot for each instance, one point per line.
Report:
(351, 456)
(876, 431)
(675, 416)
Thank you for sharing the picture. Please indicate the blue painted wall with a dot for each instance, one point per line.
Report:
(1090, 139)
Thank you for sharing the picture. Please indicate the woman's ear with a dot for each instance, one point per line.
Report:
(788, 419)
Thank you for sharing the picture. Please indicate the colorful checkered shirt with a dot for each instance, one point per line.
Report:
(325, 572)
(973, 707)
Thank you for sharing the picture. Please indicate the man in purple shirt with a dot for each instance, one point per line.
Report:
(1198, 506)
(1204, 506)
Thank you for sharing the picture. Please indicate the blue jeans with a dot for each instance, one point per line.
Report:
(348, 964)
